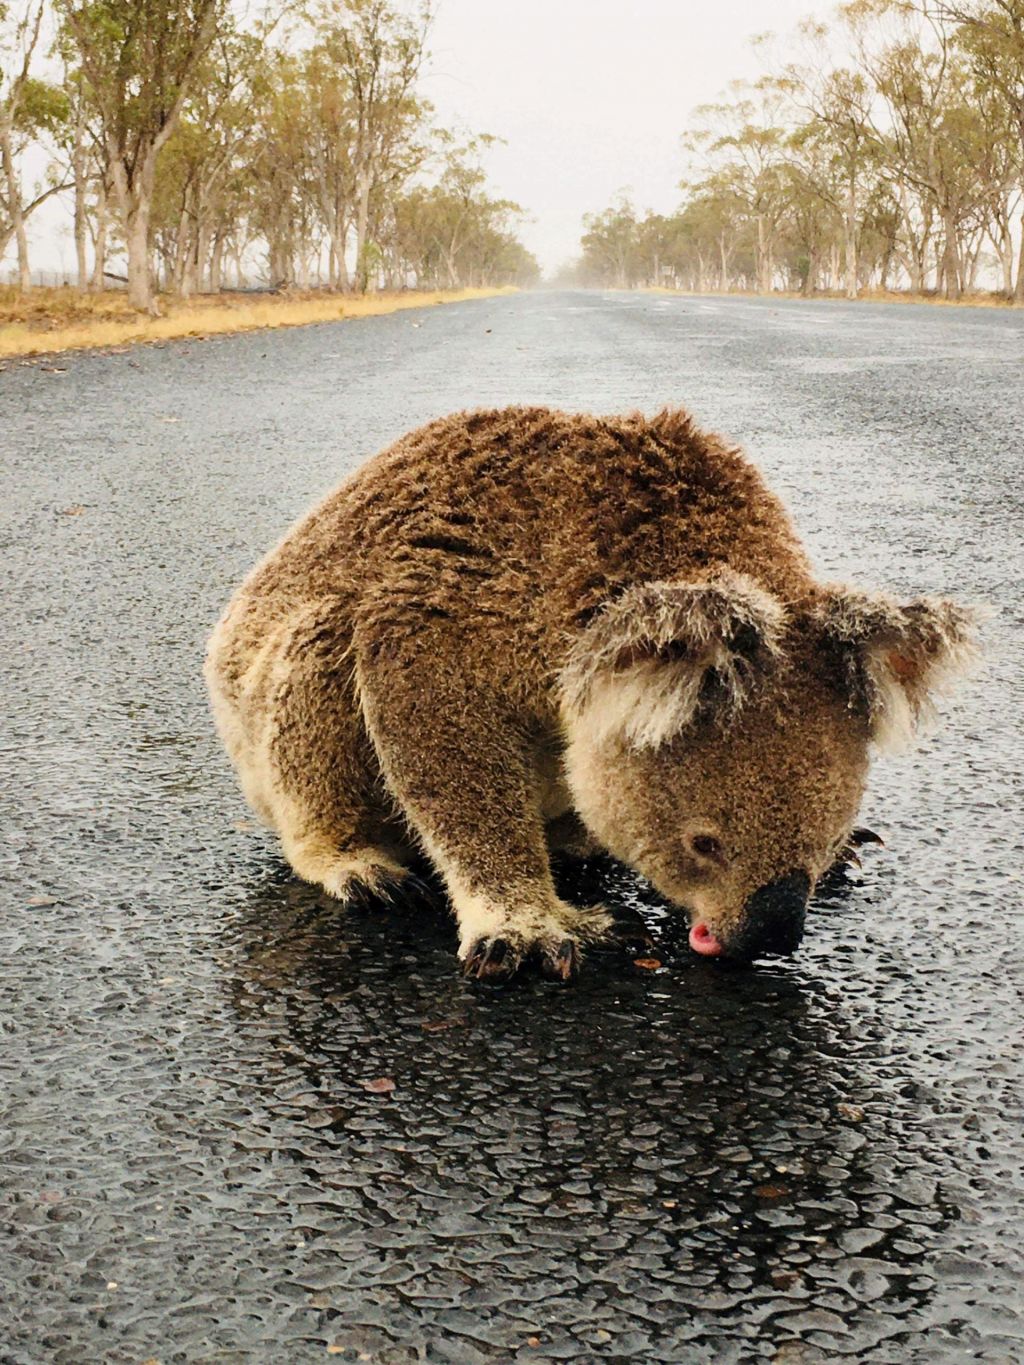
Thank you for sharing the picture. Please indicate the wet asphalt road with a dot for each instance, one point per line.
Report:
(813, 1160)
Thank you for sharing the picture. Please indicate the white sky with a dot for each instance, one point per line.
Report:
(591, 97)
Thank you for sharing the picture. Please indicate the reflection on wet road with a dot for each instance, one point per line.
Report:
(239, 1126)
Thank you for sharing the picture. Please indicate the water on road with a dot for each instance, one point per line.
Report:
(241, 1127)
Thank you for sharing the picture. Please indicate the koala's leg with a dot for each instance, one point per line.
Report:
(463, 774)
(309, 763)
(567, 834)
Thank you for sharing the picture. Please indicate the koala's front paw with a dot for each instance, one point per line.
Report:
(498, 958)
(549, 941)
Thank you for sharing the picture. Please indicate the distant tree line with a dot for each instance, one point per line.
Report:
(190, 143)
(901, 166)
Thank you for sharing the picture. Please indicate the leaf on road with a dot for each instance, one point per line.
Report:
(649, 964)
(853, 1112)
(380, 1085)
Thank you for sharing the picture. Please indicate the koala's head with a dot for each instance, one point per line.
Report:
(718, 742)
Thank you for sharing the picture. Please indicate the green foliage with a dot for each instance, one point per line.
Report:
(906, 163)
(43, 108)
(198, 133)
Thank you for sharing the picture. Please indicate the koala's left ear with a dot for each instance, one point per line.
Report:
(894, 659)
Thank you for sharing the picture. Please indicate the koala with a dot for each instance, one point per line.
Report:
(522, 630)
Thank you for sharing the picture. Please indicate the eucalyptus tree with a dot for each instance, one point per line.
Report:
(717, 226)
(281, 192)
(833, 107)
(142, 60)
(929, 128)
(745, 137)
(193, 197)
(82, 150)
(454, 233)
(611, 248)
(815, 188)
(991, 36)
(29, 107)
(379, 50)
(331, 125)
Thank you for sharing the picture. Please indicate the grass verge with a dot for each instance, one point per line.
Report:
(42, 321)
(836, 296)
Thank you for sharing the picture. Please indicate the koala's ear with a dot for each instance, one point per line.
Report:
(894, 659)
(642, 667)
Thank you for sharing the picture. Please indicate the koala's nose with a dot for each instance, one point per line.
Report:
(773, 920)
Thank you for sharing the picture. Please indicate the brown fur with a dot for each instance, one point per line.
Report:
(513, 618)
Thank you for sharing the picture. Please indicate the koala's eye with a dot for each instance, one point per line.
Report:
(707, 846)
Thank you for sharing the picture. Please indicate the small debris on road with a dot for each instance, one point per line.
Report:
(853, 1112)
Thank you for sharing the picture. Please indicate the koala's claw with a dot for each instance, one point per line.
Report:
(493, 960)
(562, 964)
(496, 960)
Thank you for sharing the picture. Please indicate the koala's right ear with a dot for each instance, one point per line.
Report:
(651, 657)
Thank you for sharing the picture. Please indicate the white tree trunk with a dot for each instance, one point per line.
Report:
(140, 289)
(81, 215)
(99, 241)
(362, 227)
(14, 208)
(850, 226)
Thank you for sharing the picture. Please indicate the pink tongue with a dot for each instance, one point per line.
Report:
(703, 941)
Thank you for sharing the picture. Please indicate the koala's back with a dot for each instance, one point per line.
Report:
(515, 524)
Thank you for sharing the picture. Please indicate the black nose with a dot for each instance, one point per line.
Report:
(773, 920)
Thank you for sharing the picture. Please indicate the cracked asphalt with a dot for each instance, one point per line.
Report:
(238, 1126)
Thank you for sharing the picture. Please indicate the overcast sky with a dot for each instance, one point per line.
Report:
(591, 97)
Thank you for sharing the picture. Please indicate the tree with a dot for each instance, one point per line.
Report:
(197, 165)
(453, 234)
(28, 108)
(932, 132)
(331, 129)
(611, 246)
(991, 36)
(141, 60)
(835, 105)
(379, 52)
(280, 198)
(745, 138)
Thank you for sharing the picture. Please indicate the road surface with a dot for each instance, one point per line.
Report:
(812, 1160)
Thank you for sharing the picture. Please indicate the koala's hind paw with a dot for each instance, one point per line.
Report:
(356, 877)
(496, 960)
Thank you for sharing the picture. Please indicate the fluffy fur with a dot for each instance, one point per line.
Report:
(898, 659)
(643, 665)
(518, 623)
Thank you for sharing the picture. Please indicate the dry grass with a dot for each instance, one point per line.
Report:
(865, 296)
(42, 321)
